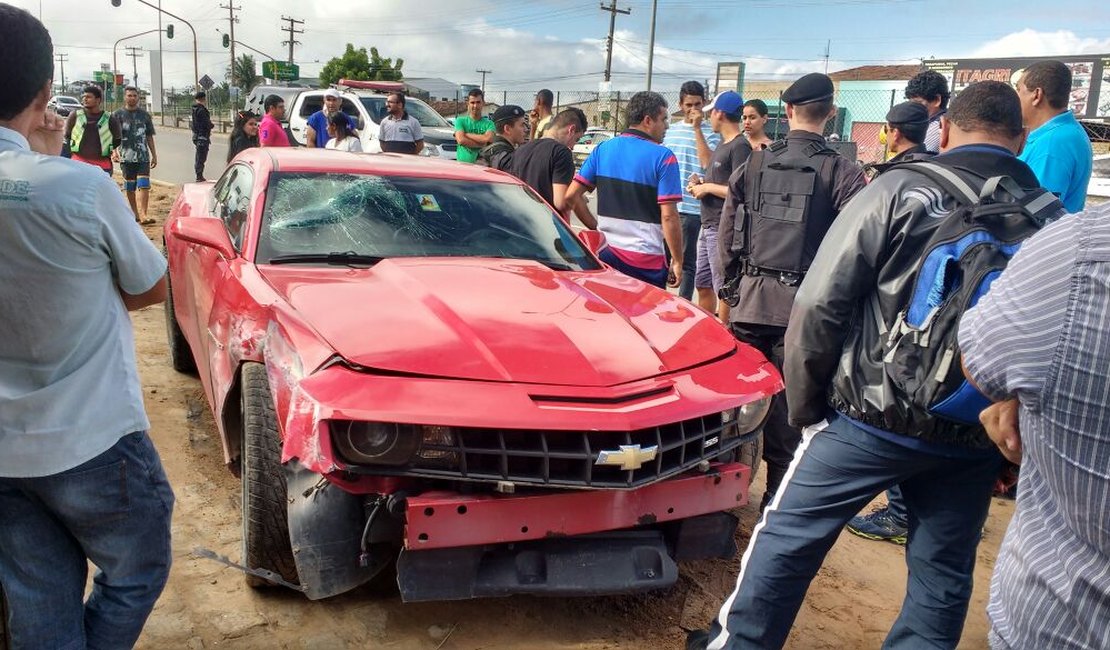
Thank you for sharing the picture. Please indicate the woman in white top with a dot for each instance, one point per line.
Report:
(341, 138)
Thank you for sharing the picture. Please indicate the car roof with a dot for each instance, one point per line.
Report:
(300, 159)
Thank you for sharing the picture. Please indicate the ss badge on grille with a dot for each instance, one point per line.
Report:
(628, 457)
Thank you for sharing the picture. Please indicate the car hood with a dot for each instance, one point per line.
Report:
(438, 134)
(500, 320)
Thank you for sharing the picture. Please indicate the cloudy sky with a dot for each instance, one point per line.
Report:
(560, 43)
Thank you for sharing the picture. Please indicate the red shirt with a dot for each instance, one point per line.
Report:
(270, 133)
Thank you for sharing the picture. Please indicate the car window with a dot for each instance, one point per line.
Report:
(231, 201)
(311, 104)
(394, 216)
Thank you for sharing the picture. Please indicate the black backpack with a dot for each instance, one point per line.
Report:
(964, 255)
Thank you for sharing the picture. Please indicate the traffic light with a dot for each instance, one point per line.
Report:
(169, 31)
(227, 40)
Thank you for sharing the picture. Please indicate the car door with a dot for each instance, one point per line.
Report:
(304, 106)
(214, 278)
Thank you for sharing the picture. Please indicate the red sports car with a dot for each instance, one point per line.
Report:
(409, 355)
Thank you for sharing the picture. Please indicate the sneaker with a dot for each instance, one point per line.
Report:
(880, 525)
(697, 639)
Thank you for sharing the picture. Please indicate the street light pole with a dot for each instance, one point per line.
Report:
(160, 10)
(115, 64)
(651, 42)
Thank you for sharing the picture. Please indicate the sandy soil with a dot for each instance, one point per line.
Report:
(851, 604)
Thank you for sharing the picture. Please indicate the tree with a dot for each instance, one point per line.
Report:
(242, 72)
(361, 66)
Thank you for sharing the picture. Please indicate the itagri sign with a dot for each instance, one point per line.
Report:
(1090, 74)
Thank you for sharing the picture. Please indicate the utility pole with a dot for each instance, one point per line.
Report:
(651, 42)
(613, 11)
(828, 46)
(134, 52)
(293, 31)
(231, 19)
(484, 73)
(62, 58)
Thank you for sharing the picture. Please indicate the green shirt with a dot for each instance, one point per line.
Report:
(467, 124)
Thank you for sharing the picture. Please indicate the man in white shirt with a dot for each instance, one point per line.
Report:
(80, 480)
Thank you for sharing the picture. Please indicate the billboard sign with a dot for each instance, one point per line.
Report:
(1090, 89)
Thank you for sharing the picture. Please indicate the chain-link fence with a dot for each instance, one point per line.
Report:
(860, 117)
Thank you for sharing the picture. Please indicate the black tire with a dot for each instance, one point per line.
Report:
(265, 518)
(751, 454)
(181, 356)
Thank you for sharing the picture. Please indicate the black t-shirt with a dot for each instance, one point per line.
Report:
(725, 159)
(541, 163)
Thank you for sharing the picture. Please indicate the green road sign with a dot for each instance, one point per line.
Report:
(281, 71)
(104, 76)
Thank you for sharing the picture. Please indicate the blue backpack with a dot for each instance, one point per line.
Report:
(965, 254)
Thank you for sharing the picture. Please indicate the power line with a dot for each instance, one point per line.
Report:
(293, 31)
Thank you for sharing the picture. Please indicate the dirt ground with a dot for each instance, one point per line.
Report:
(851, 604)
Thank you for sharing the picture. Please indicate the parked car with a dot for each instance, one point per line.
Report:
(419, 362)
(365, 101)
(590, 139)
(1099, 185)
(64, 104)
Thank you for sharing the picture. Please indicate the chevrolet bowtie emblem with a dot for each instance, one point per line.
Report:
(629, 457)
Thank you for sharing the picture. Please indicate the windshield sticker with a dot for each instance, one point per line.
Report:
(428, 203)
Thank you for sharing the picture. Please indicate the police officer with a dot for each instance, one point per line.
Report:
(779, 206)
(906, 126)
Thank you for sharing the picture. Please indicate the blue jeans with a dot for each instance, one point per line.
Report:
(114, 511)
(838, 469)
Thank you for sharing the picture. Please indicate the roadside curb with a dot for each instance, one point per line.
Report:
(166, 184)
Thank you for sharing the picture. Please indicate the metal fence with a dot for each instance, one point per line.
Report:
(860, 116)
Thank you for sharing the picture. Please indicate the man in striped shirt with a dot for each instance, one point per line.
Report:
(1041, 336)
(692, 140)
(638, 187)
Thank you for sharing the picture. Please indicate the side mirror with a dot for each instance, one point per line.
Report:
(204, 231)
(361, 123)
(594, 240)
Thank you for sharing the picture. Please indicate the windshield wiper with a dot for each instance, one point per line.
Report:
(348, 258)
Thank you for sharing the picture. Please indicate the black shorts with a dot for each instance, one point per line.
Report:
(131, 171)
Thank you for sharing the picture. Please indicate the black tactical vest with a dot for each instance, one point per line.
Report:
(788, 206)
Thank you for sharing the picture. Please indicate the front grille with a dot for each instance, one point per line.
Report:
(567, 458)
(449, 147)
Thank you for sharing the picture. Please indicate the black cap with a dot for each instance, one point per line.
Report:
(507, 112)
(908, 113)
(813, 87)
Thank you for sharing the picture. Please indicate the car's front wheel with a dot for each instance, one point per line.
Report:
(265, 518)
(751, 453)
(181, 357)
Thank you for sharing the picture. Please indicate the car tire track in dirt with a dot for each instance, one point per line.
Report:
(851, 604)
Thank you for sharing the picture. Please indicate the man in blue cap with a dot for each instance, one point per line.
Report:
(725, 112)
(779, 207)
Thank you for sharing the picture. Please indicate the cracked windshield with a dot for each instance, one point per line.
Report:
(364, 216)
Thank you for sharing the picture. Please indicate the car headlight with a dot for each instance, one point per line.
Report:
(430, 150)
(375, 443)
(746, 418)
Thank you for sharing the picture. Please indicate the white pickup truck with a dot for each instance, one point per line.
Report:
(365, 101)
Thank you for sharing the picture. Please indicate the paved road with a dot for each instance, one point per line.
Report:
(176, 152)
